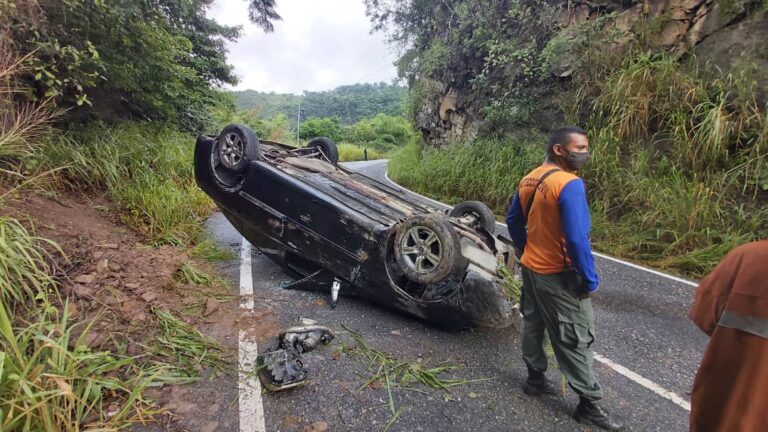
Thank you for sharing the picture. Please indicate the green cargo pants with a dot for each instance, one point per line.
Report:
(551, 303)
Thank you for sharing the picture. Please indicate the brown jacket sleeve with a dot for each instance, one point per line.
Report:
(713, 291)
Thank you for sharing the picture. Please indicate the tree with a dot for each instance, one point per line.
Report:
(382, 132)
(351, 103)
(262, 13)
(321, 127)
(149, 59)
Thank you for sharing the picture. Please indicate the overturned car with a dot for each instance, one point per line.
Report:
(339, 230)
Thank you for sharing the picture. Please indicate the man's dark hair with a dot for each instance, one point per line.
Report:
(562, 136)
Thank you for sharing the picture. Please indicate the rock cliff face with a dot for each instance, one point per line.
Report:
(723, 33)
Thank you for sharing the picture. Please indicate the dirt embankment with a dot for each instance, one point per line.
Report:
(115, 282)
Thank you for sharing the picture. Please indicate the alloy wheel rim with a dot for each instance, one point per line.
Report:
(421, 249)
(232, 149)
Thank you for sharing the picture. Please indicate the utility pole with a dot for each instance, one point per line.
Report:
(298, 123)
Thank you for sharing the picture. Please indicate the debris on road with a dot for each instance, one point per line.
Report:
(282, 368)
(306, 338)
(319, 426)
(393, 373)
(211, 306)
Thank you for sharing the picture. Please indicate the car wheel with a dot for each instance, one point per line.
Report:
(479, 210)
(234, 148)
(237, 147)
(328, 147)
(428, 250)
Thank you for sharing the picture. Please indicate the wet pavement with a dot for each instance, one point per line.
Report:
(642, 325)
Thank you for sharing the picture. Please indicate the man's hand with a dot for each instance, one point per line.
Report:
(585, 295)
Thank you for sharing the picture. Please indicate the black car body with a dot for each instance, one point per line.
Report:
(319, 219)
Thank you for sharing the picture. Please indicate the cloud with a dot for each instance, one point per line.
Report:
(319, 45)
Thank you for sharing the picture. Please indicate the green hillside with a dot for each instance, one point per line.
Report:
(351, 103)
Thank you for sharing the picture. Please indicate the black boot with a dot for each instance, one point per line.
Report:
(591, 413)
(538, 384)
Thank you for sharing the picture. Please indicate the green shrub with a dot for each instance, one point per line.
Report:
(328, 127)
(382, 132)
(51, 382)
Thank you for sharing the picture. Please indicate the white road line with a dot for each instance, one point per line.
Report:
(610, 258)
(639, 267)
(246, 280)
(632, 376)
(645, 382)
(249, 387)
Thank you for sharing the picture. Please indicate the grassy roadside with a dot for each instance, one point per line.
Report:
(679, 168)
(146, 170)
(52, 377)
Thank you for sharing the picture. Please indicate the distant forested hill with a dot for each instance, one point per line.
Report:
(350, 103)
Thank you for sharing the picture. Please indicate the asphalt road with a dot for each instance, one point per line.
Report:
(642, 325)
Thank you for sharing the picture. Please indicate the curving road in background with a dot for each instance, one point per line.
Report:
(647, 351)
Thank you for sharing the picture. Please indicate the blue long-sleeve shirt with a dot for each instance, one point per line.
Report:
(575, 226)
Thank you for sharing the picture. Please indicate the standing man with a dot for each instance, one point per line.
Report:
(558, 273)
(731, 306)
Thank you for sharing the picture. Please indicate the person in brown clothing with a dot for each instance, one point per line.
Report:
(730, 392)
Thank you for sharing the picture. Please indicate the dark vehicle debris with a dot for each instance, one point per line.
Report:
(343, 232)
(281, 368)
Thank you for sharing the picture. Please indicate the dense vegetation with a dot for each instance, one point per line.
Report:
(150, 60)
(349, 103)
(380, 134)
(679, 172)
(79, 81)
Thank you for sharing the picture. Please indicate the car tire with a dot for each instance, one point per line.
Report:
(228, 171)
(482, 212)
(237, 146)
(428, 250)
(328, 147)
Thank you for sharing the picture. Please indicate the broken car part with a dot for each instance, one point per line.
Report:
(282, 368)
(305, 338)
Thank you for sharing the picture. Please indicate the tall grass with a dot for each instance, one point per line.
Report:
(146, 170)
(678, 177)
(485, 170)
(21, 122)
(25, 272)
(49, 379)
(45, 385)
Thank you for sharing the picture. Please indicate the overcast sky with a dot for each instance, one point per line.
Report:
(319, 45)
